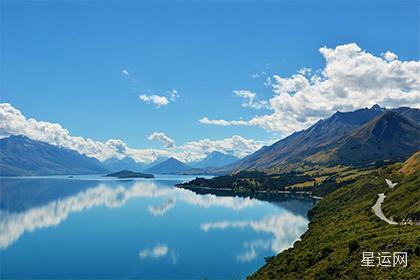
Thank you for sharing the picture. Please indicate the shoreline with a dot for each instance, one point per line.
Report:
(304, 193)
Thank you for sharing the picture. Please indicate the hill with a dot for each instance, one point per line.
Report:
(412, 165)
(169, 166)
(21, 156)
(343, 226)
(129, 174)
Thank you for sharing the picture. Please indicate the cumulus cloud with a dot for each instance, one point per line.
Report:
(13, 122)
(160, 100)
(351, 79)
(155, 99)
(235, 145)
(206, 120)
(250, 99)
(161, 137)
(389, 56)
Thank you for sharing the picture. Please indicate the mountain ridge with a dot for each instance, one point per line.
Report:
(302, 144)
(22, 156)
(215, 159)
(169, 166)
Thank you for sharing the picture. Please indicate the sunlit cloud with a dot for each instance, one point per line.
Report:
(351, 79)
(163, 138)
(158, 100)
(250, 99)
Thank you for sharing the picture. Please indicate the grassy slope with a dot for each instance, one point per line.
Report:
(346, 215)
(403, 203)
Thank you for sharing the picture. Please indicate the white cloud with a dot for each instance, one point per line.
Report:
(250, 99)
(158, 251)
(13, 122)
(161, 137)
(155, 99)
(351, 79)
(173, 95)
(236, 145)
(206, 120)
(160, 100)
(125, 72)
(389, 56)
(255, 75)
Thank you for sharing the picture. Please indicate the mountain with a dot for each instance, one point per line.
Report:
(215, 159)
(169, 166)
(21, 156)
(126, 163)
(388, 137)
(321, 136)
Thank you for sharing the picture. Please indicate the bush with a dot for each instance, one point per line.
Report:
(353, 246)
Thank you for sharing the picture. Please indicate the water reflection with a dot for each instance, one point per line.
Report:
(17, 215)
(175, 223)
(161, 210)
(285, 227)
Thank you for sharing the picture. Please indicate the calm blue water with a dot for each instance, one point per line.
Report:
(92, 227)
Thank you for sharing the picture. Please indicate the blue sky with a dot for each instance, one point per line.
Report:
(62, 61)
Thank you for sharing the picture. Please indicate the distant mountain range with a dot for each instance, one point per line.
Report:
(126, 163)
(205, 166)
(215, 159)
(169, 166)
(354, 138)
(357, 137)
(20, 156)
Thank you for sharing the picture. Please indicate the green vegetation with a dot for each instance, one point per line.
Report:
(248, 182)
(343, 226)
(125, 174)
(315, 180)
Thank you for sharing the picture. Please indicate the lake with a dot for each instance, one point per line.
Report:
(96, 227)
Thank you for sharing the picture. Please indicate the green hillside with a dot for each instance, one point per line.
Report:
(343, 226)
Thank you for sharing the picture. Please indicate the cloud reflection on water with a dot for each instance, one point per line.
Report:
(161, 210)
(15, 224)
(286, 227)
(156, 252)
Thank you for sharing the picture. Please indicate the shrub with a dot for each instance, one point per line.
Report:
(353, 246)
